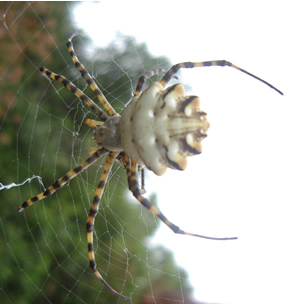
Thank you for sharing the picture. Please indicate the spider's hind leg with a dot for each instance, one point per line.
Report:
(131, 168)
(91, 220)
(221, 63)
(145, 76)
(64, 179)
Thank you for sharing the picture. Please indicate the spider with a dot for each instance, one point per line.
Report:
(158, 129)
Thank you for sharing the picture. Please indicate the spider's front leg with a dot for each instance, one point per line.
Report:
(88, 78)
(77, 92)
(131, 169)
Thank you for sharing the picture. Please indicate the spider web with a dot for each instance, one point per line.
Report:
(43, 251)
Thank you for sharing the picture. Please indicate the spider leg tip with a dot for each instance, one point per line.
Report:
(280, 92)
(72, 36)
(20, 209)
(124, 297)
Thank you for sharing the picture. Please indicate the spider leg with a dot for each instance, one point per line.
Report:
(146, 76)
(94, 123)
(88, 78)
(94, 149)
(64, 179)
(72, 88)
(143, 189)
(91, 220)
(131, 168)
(186, 65)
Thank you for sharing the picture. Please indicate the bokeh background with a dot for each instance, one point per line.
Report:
(245, 184)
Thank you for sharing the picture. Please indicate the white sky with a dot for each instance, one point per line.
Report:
(246, 182)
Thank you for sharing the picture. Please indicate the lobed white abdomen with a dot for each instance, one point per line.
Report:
(160, 128)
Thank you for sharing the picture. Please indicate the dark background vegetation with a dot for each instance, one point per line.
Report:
(43, 254)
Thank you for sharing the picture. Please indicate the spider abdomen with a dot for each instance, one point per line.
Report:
(160, 128)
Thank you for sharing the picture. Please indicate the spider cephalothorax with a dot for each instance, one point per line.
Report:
(158, 129)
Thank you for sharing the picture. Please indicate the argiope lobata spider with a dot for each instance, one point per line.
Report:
(159, 128)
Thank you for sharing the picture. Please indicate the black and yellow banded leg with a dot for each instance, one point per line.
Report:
(131, 169)
(146, 76)
(91, 220)
(187, 65)
(88, 78)
(77, 92)
(64, 179)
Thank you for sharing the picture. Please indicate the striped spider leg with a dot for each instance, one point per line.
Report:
(64, 179)
(131, 169)
(187, 65)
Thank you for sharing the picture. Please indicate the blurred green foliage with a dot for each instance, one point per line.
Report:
(43, 252)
